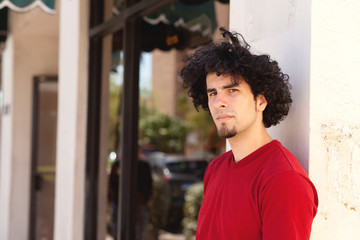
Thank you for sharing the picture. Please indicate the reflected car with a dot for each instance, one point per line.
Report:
(178, 173)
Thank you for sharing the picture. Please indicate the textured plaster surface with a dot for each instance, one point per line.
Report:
(343, 163)
(335, 117)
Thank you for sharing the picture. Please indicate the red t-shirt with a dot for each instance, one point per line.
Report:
(266, 195)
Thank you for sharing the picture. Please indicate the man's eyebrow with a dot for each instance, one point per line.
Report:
(231, 85)
(209, 90)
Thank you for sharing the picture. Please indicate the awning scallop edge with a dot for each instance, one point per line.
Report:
(47, 6)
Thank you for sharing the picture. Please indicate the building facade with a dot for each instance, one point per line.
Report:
(316, 42)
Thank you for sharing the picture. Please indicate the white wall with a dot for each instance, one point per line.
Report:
(335, 117)
(281, 28)
(318, 44)
(31, 49)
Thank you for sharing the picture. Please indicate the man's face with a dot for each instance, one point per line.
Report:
(232, 106)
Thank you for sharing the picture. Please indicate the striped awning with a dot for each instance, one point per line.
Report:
(25, 5)
(47, 6)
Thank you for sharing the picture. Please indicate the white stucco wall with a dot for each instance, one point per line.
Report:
(318, 44)
(335, 117)
(281, 28)
(31, 50)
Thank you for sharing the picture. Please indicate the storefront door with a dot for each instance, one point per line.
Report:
(43, 158)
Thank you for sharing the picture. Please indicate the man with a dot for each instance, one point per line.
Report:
(258, 190)
(144, 192)
(143, 196)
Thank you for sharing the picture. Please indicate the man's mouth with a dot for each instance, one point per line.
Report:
(223, 117)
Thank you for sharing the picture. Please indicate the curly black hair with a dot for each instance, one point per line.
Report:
(232, 58)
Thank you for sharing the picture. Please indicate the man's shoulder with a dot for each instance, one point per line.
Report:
(281, 159)
(221, 159)
(217, 165)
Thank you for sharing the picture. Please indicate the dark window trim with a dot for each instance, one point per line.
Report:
(93, 125)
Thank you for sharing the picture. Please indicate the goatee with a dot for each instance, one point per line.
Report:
(224, 132)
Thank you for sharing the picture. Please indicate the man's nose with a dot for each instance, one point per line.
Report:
(220, 101)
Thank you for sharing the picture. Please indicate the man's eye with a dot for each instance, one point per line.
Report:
(212, 94)
(233, 90)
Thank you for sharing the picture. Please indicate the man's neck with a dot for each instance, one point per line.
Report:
(244, 144)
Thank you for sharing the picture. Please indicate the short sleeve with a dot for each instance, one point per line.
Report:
(288, 205)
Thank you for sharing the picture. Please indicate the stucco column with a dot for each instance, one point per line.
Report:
(6, 142)
(323, 128)
(335, 118)
(72, 118)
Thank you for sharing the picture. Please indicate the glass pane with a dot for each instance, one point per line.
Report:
(181, 140)
(116, 79)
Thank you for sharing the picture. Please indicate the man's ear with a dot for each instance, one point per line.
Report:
(261, 103)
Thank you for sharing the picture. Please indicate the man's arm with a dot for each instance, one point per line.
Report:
(288, 205)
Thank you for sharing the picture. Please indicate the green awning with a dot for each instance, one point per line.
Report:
(25, 5)
(196, 18)
(47, 6)
(177, 25)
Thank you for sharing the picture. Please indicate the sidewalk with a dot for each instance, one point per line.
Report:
(163, 236)
(169, 236)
